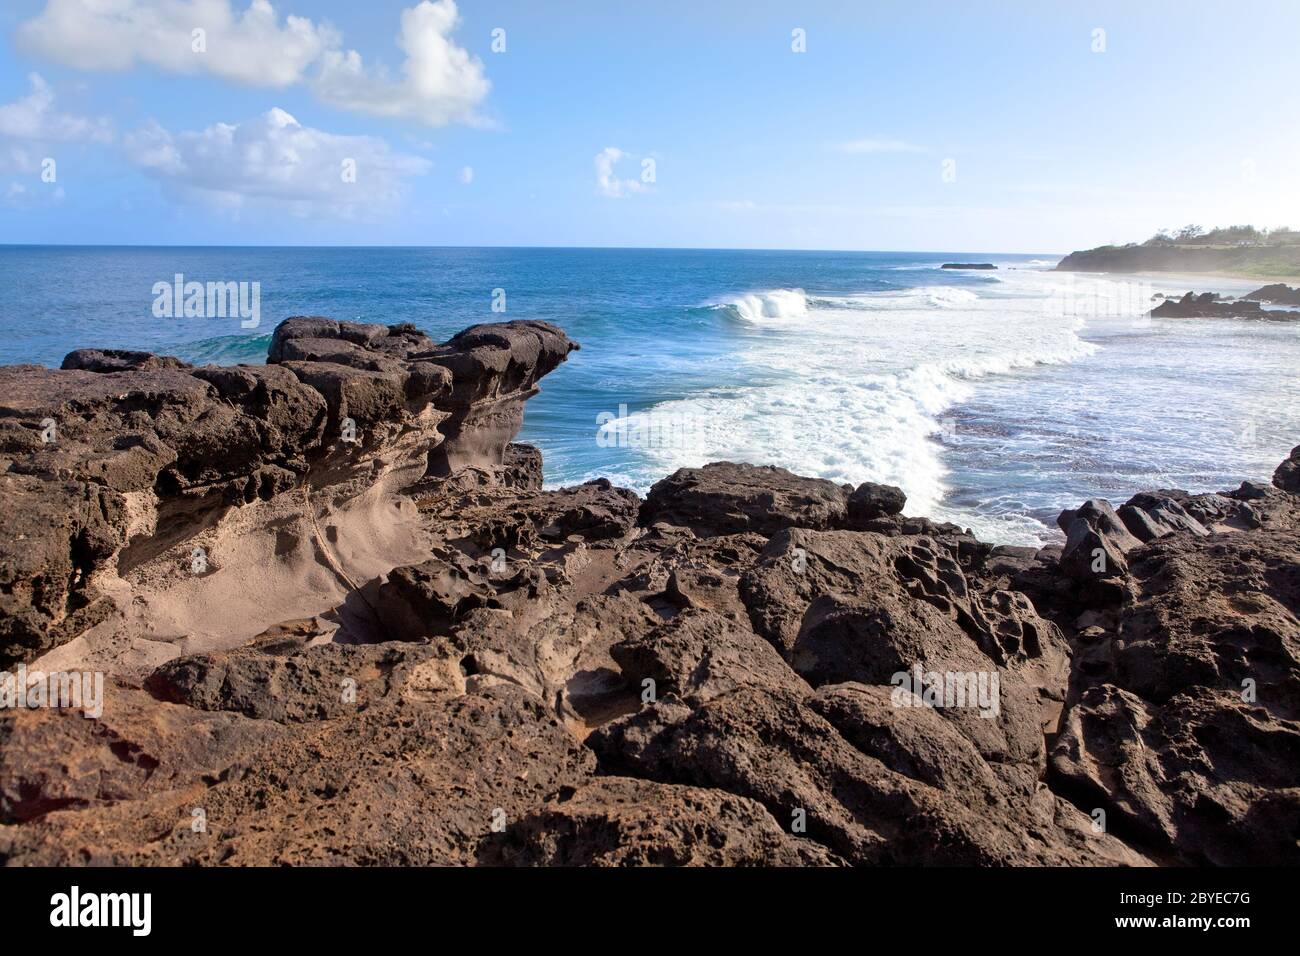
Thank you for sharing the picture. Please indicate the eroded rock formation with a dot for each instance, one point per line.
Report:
(398, 647)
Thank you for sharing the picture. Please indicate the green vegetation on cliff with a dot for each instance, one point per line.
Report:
(1234, 250)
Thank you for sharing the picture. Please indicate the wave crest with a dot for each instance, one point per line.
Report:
(761, 308)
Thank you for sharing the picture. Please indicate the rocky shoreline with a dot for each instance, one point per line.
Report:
(341, 621)
(1211, 305)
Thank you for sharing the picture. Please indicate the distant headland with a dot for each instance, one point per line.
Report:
(1234, 250)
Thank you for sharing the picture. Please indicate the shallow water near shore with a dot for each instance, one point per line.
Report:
(994, 398)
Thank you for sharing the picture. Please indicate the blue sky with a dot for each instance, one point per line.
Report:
(1050, 142)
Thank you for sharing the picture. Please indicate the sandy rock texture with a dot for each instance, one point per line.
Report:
(398, 647)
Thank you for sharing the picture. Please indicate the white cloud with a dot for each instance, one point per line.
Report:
(440, 82)
(876, 145)
(607, 181)
(466, 175)
(21, 196)
(31, 118)
(275, 161)
(252, 48)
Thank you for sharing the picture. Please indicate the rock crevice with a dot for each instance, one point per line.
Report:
(399, 648)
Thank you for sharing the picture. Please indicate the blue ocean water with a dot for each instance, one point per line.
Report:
(993, 398)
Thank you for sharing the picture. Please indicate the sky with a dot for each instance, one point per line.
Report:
(998, 127)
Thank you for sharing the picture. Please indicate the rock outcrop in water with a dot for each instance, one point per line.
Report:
(1207, 305)
(343, 622)
(1278, 293)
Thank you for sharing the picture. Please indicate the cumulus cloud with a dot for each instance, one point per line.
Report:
(440, 82)
(32, 117)
(607, 181)
(877, 145)
(254, 47)
(275, 161)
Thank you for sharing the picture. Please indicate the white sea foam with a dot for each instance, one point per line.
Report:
(939, 297)
(764, 308)
(855, 388)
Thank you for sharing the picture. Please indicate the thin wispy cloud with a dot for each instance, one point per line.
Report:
(871, 145)
(31, 129)
(33, 117)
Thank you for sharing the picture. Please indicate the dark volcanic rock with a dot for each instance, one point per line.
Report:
(1287, 476)
(1276, 294)
(1096, 542)
(968, 265)
(523, 464)
(286, 681)
(450, 664)
(117, 441)
(772, 747)
(623, 821)
(494, 369)
(798, 594)
(1149, 516)
(727, 498)
(118, 360)
(699, 655)
(402, 781)
(596, 512)
(1207, 305)
(870, 501)
(1186, 728)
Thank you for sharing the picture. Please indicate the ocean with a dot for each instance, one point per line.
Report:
(993, 398)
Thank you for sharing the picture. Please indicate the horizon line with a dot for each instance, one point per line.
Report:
(177, 245)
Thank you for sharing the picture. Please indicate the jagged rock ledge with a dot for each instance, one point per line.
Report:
(399, 648)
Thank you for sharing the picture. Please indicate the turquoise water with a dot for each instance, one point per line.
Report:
(993, 398)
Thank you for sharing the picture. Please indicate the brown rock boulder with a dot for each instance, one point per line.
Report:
(1287, 476)
(622, 821)
(699, 655)
(729, 498)
(1185, 726)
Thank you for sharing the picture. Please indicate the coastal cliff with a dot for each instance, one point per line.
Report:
(1236, 251)
(343, 622)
